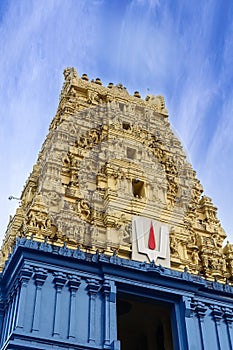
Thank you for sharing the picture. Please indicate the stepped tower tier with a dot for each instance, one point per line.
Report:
(112, 176)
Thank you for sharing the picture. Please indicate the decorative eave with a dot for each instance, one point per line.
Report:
(30, 251)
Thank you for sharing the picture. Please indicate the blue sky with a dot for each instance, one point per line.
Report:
(178, 48)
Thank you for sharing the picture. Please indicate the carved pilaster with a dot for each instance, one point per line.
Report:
(25, 276)
(228, 317)
(106, 289)
(93, 288)
(12, 300)
(40, 277)
(74, 283)
(8, 313)
(216, 313)
(189, 307)
(201, 309)
(217, 316)
(16, 302)
(59, 282)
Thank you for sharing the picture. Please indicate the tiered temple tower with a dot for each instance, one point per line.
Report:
(113, 245)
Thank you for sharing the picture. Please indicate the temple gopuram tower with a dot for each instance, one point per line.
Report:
(113, 245)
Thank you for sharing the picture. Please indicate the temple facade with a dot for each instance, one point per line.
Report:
(113, 245)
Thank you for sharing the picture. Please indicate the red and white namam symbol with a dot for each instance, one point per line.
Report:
(150, 239)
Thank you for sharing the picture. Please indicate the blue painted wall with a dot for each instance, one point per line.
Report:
(55, 296)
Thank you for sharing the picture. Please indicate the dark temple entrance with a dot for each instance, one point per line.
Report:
(143, 324)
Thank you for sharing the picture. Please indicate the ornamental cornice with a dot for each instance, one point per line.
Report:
(113, 260)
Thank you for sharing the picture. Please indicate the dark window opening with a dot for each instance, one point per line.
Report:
(121, 106)
(143, 325)
(138, 188)
(126, 126)
(131, 153)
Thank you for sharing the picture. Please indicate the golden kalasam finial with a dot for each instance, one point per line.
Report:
(136, 94)
(84, 77)
(98, 81)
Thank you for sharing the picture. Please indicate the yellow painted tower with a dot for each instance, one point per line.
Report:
(112, 176)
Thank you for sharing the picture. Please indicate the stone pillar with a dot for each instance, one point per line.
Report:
(74, 284)
(113, 312)
(217, 315)
(6, 312)
(24, 278)
(16, 302)
(11, 303)
(106, 288)
(201, 311)
(92, 287)
(59, 281)
(40, 277)
(189, 320)
(228, 317)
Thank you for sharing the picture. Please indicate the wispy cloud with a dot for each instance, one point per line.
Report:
(38, 40)
(167, 49)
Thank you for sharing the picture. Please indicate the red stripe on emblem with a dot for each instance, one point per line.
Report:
(151, 241)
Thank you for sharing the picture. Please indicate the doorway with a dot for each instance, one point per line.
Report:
(143, 324)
